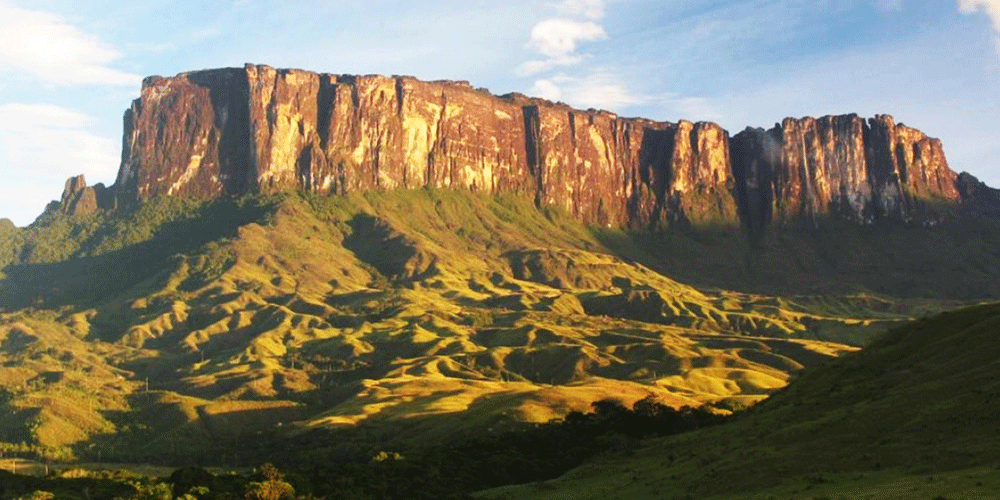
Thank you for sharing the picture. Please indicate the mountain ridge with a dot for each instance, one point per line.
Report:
(257, 129)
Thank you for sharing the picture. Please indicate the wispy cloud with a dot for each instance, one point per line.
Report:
(546, 89)
(52, 143)
(990, 7)
(557, 39)
(600, 89)
(541, 66)
(55, 52)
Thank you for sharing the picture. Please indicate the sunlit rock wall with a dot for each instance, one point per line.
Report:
(225, 132)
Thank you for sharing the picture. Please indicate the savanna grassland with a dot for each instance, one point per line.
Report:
(914, 415)
(296, 328)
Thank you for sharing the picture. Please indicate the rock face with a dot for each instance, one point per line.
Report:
(977, 197)
(804, 170)
(258, 129)
(226, 132)
(80, 199)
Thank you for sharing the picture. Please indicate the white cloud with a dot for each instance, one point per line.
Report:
(592, 9)
(990, 7)
(557, 38)
(20, 116)
(595, 93)
(546, 89)
(43, 145)
(56, 52)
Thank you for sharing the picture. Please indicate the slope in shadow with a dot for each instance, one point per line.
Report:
(390, 252)
(94, 273)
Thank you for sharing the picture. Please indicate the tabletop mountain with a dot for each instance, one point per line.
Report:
(287, 252)
(257, 129)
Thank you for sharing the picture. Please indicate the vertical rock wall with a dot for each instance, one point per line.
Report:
(188, 136)
(805, 170)
(258, 129)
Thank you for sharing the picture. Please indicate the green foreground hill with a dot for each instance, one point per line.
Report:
(914, 415)
(176, 329)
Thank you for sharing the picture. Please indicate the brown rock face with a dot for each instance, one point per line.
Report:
(805, 170)
(908, 169)
(700, 190)
(225, 132)
(977, 197)
(80, 199)
(259, 129)
(188, 136)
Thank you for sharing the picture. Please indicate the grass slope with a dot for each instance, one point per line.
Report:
(916, 413)
(201, 323)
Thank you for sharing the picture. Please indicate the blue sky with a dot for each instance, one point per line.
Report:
(69, 69)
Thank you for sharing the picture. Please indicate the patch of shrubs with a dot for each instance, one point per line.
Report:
(328, 466)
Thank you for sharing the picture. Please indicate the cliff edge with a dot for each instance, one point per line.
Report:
(257, 129)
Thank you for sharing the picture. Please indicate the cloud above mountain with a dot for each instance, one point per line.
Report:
(990, 7)
(557, 40)
(48, 49)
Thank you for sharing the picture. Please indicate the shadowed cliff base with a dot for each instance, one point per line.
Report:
(956, 258)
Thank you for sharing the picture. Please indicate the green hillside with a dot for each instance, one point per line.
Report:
(914, 415)
(172, 329)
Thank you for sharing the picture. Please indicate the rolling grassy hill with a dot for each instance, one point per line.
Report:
(914, 415)
(175, 328)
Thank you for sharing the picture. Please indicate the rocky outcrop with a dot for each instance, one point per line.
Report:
(80, 199)
(187, 135)
(226, 132)
(977, 197)
(908, 170)
(805, 170)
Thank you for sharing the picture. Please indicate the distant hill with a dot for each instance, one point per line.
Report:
(914, 415)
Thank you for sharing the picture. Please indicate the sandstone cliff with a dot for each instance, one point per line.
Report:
(78, 198)
(225, 132)
(804, 170)
(258, 129)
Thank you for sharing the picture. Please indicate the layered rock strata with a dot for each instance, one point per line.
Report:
(225, 132)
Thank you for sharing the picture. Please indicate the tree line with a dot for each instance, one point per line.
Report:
(451, 469)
